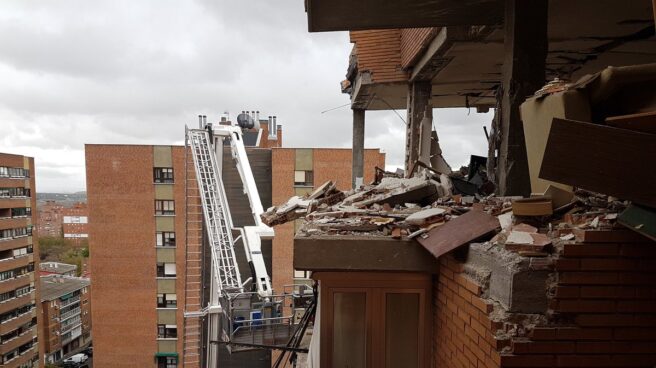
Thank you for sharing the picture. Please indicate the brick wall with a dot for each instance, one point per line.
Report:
(462, 327)
(379, 52)
(602, 313)
(413, 42)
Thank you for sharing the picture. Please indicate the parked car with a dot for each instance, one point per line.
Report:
(75, 360)
(88, 351)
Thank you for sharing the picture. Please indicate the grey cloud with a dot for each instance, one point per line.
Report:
(135, 72)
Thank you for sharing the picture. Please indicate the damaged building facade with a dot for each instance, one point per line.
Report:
(541, 254)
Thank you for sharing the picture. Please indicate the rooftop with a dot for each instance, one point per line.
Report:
(55, 286)
(57, 267)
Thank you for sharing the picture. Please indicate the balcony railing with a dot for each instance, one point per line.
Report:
(69, 301)
(71, 313)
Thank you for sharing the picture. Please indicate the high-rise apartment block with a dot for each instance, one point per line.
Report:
(18, 293)
(75, 222)
(148, 249)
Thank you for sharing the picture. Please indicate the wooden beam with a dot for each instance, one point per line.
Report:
(604, 159)
(350, 15)
(526, 45)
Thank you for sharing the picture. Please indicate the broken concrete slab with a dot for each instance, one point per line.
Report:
(462, 230)
(513, 283)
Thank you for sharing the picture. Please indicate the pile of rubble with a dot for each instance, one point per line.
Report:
(418, 207)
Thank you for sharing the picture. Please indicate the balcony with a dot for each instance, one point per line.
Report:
(69, 301)
(21, 359)
(14, 283)
(13, 243)
(20, 340)
(71, 313)
(11, 304)
(14, 202)
(16, 262)
(13, 324)
(12, 223)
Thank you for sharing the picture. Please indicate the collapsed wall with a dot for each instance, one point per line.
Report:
(588, 304)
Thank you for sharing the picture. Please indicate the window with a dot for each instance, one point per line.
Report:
(301, 274)
(167, 331)
(163, 175)
(164, 207)
(14, 192)
(303, 178)
(6, 275)
(21, 212)
(4, 171)
(24, 290)
(166, 301)
(165, 269)
(167, 362)
(165, 239)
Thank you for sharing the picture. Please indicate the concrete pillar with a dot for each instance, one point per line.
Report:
(419, 94)
(358, 147)
(526, 45)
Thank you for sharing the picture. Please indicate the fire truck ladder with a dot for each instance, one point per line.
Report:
(217, 219)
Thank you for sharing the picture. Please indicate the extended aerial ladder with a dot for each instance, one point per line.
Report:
(240, 318)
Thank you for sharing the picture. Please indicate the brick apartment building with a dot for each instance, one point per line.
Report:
(18, 259)
(150, 191)
(75, 223)
(65, 314)
(49, 219)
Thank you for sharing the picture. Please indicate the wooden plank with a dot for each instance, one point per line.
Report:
(604, 159)
(534, 206)
(349, 15)
(462, 230)
(639, 219)
(344, 253)
(642, 122)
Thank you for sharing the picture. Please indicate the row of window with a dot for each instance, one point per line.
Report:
(16, 312)
(17, 252)
(163, 175)
(164, 207)
(15, 233)
(7, 275)
(14, 192)
(14, 172)
(165, 239)
(16, 293)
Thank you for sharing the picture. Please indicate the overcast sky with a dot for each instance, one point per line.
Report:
(135, 72)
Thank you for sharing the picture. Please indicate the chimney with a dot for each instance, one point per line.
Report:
(273, 133)
(257, 118)
(200, 121)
